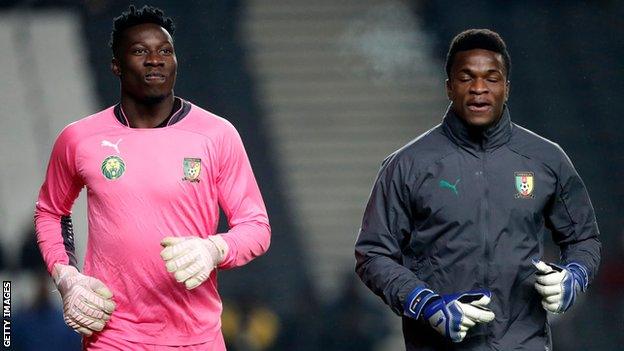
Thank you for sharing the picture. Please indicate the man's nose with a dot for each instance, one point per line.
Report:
(154, 59)
(479, 86)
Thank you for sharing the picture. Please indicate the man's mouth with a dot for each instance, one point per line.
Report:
(154, 76)
(479, 106)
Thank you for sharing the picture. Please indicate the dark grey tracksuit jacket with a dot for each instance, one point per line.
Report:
(454, 211)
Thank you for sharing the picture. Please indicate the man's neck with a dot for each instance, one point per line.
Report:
(142, 115)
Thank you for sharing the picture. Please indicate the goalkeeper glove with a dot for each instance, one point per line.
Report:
(87, 302)
(559, 285)
(451, 315)
(192, 259)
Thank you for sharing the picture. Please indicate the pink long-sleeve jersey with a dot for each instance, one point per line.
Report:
(143, 185)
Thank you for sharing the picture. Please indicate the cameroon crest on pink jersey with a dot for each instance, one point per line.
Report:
(113, 167)
(192, 168)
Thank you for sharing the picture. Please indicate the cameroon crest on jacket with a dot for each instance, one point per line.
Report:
(524, 185)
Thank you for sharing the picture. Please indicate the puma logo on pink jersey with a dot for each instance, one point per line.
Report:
(109, 144)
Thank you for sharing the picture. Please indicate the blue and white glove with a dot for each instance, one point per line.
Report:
(451, 315)
(559, 285)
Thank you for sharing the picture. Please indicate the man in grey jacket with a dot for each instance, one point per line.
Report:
(452, 236)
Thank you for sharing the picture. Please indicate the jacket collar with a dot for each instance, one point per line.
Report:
(477, 139)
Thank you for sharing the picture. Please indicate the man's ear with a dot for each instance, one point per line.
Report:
(449, 89)
(115, 68)
(507, 90)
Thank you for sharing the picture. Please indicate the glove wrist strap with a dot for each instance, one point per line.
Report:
(580, 274)
(220, 247)
(62, 272)
(417, 300)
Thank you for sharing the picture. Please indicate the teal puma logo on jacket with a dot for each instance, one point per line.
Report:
(452, 187)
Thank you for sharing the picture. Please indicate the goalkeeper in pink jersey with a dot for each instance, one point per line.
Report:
(156, 169)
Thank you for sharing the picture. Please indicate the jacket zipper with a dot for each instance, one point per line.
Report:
(486, 217)
(486, 225)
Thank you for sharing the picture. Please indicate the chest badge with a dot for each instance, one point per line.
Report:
(524, 185)
(192, 169)
(113, 167)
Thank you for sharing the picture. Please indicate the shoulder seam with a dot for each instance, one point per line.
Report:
(545, 164)
(427, 133)
(191, 131)
(222, 120)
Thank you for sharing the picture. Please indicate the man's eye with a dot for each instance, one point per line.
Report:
(139, 51)
(166, 51)
(493, 79)
(464, 79)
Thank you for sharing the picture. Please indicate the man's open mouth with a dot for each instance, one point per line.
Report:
(479, 106)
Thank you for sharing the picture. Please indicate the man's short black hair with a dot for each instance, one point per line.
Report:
(133, 17)
(478, 39)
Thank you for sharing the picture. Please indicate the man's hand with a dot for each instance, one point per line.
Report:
(451, 315)
(87, 302)
(559, 285)
(192, 259)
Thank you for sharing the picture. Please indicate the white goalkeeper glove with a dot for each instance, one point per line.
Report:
(559, 285)
(451, 315)
(192, 259)
(87, 302)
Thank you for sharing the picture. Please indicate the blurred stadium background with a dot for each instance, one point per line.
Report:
(321, 91)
